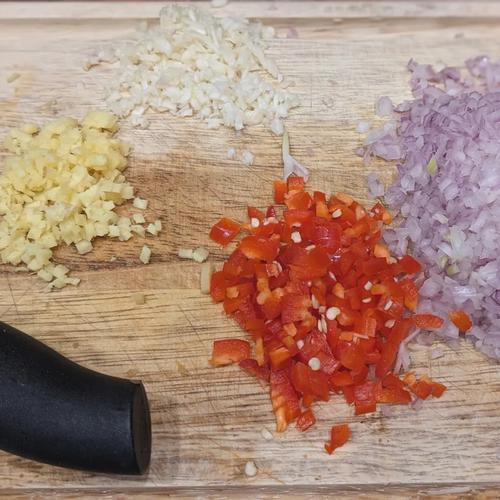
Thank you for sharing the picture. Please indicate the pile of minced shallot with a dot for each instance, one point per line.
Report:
(446, 142)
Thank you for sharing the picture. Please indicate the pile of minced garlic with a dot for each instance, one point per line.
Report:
(197, 64)
(61, 186)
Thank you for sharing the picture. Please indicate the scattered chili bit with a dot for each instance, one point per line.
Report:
(325, 302)
(224, 231)
(461, 320)
(339, 435)
(427, 321)
(424, 387)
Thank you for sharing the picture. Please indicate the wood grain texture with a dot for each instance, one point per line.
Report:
(207, 422)
(260, 8)
(246, 492)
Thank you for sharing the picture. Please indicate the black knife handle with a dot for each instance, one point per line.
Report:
(55, 411)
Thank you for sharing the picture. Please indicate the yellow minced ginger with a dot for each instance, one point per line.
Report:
(61, 186)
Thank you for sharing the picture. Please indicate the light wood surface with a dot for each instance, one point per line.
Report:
(207, 422)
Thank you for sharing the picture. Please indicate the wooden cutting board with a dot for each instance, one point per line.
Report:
(207, 422)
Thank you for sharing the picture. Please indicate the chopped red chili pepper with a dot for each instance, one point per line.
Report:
(255, 213)
(424, 387)
(286, 405)
(437, 389)
(339, 435)
(461, 320)
(228, 351)
(394, 395)
(341, 379)
(256, 248)
(410, 291)
(280, 190)
(306, 420)
(295, 183)
(427, 321)
(325, 303)
(409, 265)
(252, 367)
(392, 382)
(362, 407)
(218, 286)
(224, 231)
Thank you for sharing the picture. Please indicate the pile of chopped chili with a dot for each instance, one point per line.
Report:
(325, 303)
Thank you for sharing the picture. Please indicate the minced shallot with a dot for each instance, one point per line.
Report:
(446, 144)
(290, 164)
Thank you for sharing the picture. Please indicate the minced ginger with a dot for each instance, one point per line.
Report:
(62, 185)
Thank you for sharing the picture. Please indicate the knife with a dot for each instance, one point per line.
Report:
(55, 411)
